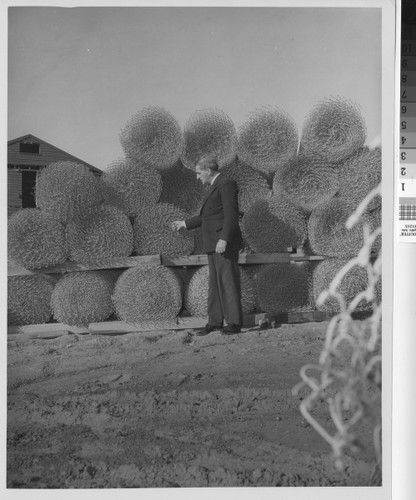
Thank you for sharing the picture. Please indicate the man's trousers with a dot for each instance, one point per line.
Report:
(224, 292)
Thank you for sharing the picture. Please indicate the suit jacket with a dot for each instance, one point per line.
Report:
(218, 217)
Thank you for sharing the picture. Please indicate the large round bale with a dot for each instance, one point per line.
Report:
(196, 292)
(273, 225)
(353, 283)
(147, 294)
(84, 297)
(209, 132)
(105, 233)
(131, 186)
(29, 299)
(358, 175)
(283, 288)
(153, 234)
(251, 184)
(267, 139)
(67, 189)
(180, 187)
(328, 234)
(35, 239)
(306, 182)
(333, 130)
(152, 136)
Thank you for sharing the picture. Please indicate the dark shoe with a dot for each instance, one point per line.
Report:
(206, 330)
(231, 329)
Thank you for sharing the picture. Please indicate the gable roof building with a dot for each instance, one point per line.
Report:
(26, 156)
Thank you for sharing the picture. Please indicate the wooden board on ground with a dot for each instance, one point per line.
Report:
(243, 258)
(113, 263)
(43, 331)
(179, 323)
(53, 330)
(300, 317)
(121, 327)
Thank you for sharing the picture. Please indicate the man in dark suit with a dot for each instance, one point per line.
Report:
(221, 240)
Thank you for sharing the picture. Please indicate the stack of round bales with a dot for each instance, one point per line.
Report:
(251, 184)
(196, 292)
(155, 184)
(35, 239)
(107, 232)
(80, 298)
(209, 132)
(66, 189)
(153, 137)
(307, 182)
(29, 299)
(274, 224)
(333, 130)
(131, 186)
(147, 293)
(153, 234)
(353, 283)
(267, 139)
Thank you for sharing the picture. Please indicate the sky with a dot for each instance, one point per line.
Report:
(77, 75)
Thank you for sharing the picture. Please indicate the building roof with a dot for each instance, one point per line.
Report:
(74, 158)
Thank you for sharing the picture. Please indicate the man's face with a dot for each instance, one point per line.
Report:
(203, 175)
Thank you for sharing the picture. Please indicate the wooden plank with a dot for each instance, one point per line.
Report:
(263, 258)
(300, 317)
(46, 330)
(179, 323)
(187, 260)
(294, 257)
(53, 330)
(113, 263)
(243, 258)
(44, 335)
(47, 327)
(121, 327)
(190, 260)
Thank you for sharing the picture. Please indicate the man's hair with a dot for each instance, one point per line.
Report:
(208, 162)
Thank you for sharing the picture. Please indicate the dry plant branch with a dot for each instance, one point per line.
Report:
(348, 374)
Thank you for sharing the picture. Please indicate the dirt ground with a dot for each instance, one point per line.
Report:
(168, 409)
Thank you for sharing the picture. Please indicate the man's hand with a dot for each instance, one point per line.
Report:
(178, 224)
(221, 246)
